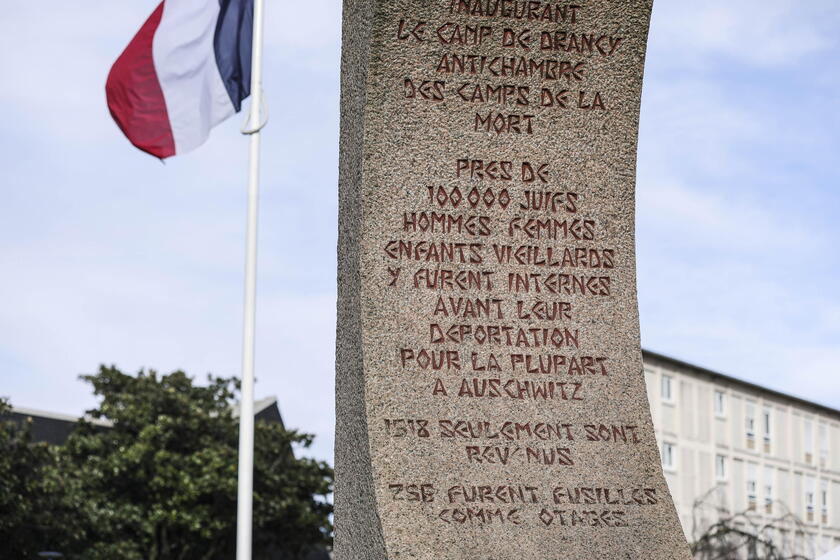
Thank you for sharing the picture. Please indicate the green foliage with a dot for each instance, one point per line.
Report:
(160, 483)
(29, 483)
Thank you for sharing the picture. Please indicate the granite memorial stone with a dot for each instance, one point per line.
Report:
(491, 403)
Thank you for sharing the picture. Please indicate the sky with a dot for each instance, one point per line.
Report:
(108, 256)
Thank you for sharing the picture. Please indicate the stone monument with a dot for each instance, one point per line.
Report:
(491, 403)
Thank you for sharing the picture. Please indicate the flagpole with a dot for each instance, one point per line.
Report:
(244, 511)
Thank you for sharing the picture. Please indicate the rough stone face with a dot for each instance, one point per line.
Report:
(490, 396)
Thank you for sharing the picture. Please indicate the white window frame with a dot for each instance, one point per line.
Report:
(749, 420)
(721, 468)
(767, 421)
(752, 484)
(752, 491)
(669, 456)
(720, 403)
(666, 388)
(823, 442)
(808, 439)
(768, 486)
(810, 495)
(824, 497)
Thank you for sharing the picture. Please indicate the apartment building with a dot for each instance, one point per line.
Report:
(732, 447)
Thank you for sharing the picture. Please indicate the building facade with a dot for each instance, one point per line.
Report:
(732, 448)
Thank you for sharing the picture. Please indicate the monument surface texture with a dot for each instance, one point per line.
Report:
(490, 396)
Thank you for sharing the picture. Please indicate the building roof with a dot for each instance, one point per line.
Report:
(724, 378)
(259, 406)
(55, 428)
(50, 427)
(60, 417)
(265, 409)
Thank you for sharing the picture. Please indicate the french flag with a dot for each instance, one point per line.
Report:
(186, 70)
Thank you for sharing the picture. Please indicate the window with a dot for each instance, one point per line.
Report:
(767, 425)
(809, 499)
(720, 404)
(749, 424)
(667, 394)
(752, 487)
(808, 443)
(720, 468)
(824, 501)
(768, 489)
(668, 457)
(823, 446)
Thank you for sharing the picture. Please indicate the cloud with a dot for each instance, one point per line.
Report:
(56, 57)
(304, 26)
(765, 33)
(295, 358)
(725, 223)
(110, 256)
(735, 192)
(120, 259)
(110, 310)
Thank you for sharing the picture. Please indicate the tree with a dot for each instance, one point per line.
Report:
(160, 484)
(31, 494)
(721, 535)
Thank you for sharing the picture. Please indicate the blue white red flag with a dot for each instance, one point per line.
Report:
(186, 70)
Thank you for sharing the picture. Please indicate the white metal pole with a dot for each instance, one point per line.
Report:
(244, 513)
